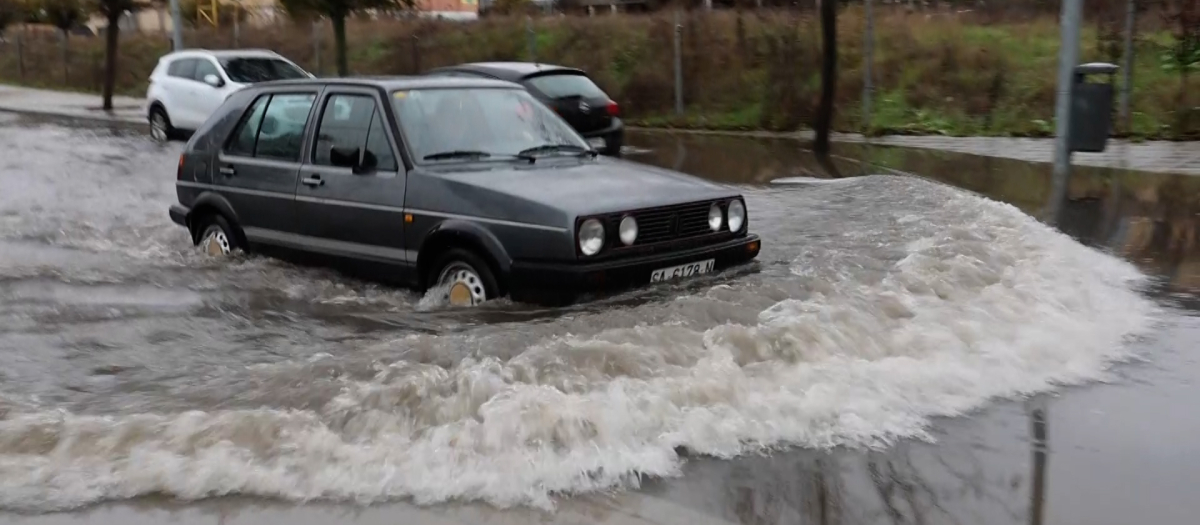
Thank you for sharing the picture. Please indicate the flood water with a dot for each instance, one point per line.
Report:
(883, 362)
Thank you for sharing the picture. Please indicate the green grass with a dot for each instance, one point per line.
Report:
(755, 71)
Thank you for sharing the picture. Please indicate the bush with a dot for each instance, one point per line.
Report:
(754, 69)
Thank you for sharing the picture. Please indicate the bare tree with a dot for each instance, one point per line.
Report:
(11, 12)
(1183, 56)
(64, 15)
(828, 76)
(113, 10)
(337, 11)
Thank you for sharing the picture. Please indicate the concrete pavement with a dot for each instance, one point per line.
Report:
(1153, 156)
(1158, 156)
(70, 105)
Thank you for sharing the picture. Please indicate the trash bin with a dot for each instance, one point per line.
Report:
(1091, 107)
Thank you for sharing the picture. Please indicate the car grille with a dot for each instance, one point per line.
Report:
(668, 223)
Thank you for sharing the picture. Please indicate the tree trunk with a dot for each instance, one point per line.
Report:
(111, 34)
(339, 43)
(21, 52)
(66, 58)
(828, 76)
(1185, 110)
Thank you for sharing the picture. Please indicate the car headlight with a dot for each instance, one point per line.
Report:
(737, 215)
(628, 230)
(591, 237)
(715, 217)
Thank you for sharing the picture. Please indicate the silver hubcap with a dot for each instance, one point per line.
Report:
(158, 127)
(463, 285)
(215, 242)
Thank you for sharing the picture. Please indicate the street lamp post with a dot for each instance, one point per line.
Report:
(176, 26)
(1068, 56)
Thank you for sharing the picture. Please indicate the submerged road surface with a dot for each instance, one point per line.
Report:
(131, 366)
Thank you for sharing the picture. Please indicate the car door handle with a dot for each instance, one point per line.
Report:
(313, 181)
(227, 171)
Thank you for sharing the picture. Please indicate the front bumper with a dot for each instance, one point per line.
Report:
(178, 214)
(585, 277)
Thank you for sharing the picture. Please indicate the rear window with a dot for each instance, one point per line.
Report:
(251, 70)
(567, 85)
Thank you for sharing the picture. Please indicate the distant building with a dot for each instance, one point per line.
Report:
(157, 18)
(449, 9)
(267, 12)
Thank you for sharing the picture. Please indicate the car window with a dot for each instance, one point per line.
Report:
(562, 85)
(182, 68)
(379, 146)
(500, 122)
(281, 134)
(247, 70)
(353, 121)
(246, 134)
(205, 68)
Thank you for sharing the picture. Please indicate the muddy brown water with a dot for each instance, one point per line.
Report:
(893, 357)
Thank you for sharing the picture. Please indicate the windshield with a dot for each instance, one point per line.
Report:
(443, 125)
(251, 70)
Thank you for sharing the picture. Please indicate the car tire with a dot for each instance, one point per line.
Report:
(468, 278)
(161, 129)
(215, 236)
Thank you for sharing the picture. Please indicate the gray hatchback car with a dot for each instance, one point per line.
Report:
(469, 186)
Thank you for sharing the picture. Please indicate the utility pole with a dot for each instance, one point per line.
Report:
(237, 29)
(1127, 81)
(1068, 57)
(678, 64)
(176, 26)
(531, 38)
(868, 58)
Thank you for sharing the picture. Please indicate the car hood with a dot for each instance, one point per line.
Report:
(599, 186)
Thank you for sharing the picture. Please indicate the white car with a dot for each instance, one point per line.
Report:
(187, 86)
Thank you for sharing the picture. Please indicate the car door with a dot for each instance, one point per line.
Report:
(180, 88)
(347, 212)
(208, 97)
(257, 167)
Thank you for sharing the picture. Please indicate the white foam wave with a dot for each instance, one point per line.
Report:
(984, 302)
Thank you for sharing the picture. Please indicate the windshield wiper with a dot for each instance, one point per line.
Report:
(458, 154)
(554, 148)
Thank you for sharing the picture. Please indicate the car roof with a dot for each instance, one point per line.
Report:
(512, 70)
(393, 83)
(223, 53)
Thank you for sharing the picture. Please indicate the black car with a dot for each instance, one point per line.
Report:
(568, 91)
(470, 185)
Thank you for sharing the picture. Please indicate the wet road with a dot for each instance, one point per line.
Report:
(888, 312)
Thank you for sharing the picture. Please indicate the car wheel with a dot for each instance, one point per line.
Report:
(467, 278)
(160, 125)
(216, 237)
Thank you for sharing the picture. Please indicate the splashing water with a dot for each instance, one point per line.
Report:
(881, 303)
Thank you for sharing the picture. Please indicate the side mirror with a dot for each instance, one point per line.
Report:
(213, 81)
(346, 157)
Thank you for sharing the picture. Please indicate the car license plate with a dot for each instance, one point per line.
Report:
(683, 270)
(597, 142)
